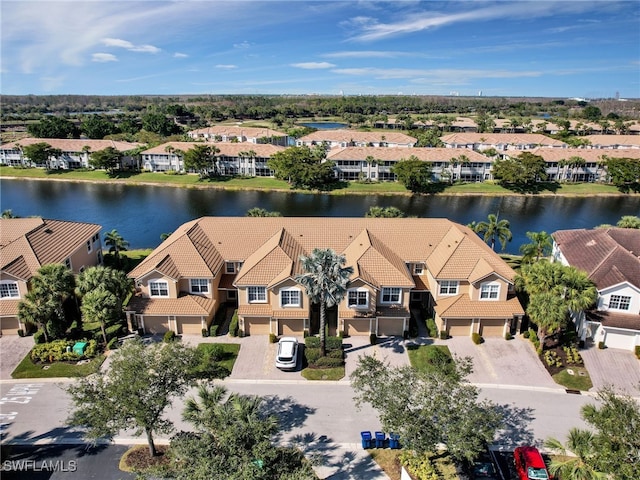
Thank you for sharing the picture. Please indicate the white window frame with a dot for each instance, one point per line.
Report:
(255, 292)
(448, 287)
(6, 290)
(230, 267)
(290, 291)
(357, 292)
(392, 292)
(67, 263)
(616, 301)
(418, 268)
(199, 285)
(489, 289)
(158, 286)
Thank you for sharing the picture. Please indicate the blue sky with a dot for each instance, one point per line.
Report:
(500, 48)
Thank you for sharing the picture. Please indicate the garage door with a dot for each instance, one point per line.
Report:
(256, 326)
(492, 328)
(291, 327)
(617, 339)
(459, 328)
(9, 326)
(156, 324)
(390, 326)
(190, 326)
(354, 327)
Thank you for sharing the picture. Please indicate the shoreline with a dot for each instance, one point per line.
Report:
(318, 192)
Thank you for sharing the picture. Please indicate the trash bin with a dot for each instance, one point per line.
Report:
(380, 439)
(366, 439)
(394, 440)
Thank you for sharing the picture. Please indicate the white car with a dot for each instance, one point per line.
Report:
(287, 357)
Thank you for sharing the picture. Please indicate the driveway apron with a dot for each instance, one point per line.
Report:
(612, 367)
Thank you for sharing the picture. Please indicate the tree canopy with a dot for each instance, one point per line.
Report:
(623, 172)
(524, 170)
(384, 212)
(540, 246)
(494, 229)
(413, 173)
(262, 212)
(201, 158)
(303, 167)
(158, 123)
(98, 127)
(41, 153)
(108, 159)
(54, 127)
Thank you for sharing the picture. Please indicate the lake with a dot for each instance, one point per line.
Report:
(325, 125)
(142, 213)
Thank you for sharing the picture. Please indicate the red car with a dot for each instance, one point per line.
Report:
(529, 464)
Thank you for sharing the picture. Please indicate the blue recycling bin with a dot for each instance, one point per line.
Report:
(366, 439)
(394, 440)
(380, 439)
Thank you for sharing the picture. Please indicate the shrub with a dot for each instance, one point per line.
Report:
(373, 339)
(21, 333)
(508, 336)
(216, 352)
(56, 351)
(476, 338)
(311, 354)
(533, 336)
(328, 362)
(526, 334)
(91, 350)
(169, 336)
(444, 335)
(333, 343)
(205, 332)
(419, 466)
(601, 345)
(312, 342)
(233, 326)
(638, 351)
(113, 344)
(38, 337)
(273, 338)
(213, 330)
(432, 328)
(335, 353)
(305, 333)
(341, 334)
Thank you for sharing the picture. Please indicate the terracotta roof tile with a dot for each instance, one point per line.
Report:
(186, 305)
(73, 144)
(614, 140)
(341, 135)
(399, 153)
(615, 319)
(501, 139)
(225, 148)
(255, 310)
(588, 154)
(238, 131)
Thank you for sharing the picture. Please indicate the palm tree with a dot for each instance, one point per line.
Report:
(548, 312)
(325, 280)
(626, 221)
(493, 228)
(540, 246)
(36, 310)
(102, 306)
(116, 244)
(8, 214)
(110, 279)
(578, 291)
(583, 445)
(371, 162)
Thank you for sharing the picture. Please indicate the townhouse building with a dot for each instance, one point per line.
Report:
(74, 153)
(240, 134)
(399, 264)
(352, 138)
(501, 142)
(610, 256)
(26, 244)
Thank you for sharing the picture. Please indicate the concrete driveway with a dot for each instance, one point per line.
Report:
(14, 348)
(612, 367)
(502, 362)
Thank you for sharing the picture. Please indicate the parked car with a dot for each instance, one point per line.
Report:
(529, 464)
(287, 357)
(483, 468)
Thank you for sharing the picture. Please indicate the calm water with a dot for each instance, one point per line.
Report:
(325, 125)
(142, 213)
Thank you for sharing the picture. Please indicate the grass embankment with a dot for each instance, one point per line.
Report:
(266, 183)
(27, 369)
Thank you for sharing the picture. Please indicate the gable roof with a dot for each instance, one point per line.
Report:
(465, 138)
(226, 149)
(342, 135)
(402, 153)
(610, 256)
(73, 144)
(237, 131)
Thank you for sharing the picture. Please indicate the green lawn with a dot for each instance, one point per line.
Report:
(230, 350)
(336, 373)
(580, 380)
(421, 356)
(27, 369)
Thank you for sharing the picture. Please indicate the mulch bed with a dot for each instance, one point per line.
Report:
(137, 459)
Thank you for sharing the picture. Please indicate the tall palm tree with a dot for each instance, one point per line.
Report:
(325, 280)
(102, 306)
(583, 445)
(116, 244)
(548, 312)
(540, 246)
(36, 310)
(578, 291)
(493, 229)
(110, 279)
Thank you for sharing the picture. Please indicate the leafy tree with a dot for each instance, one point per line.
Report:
(37, 310)
(413, 173)
(8, 213)
(493, 229)
(201, 158)
(110, 279)
(540, 246)
(100, 305)
(427, 408)
(41, 153)
(232, 440)
(98, 127)
(116, 244)
(384, 212)
(54, 127)
(582, 443)
(133, 392)
(629, 221)
(108, 159)
(303, 167)
(524, 170)
(591, 113)
(158, 123)
(325, 280)
(623, 172)
(261, 212)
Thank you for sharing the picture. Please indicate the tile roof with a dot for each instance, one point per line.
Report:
(615, 319)
(588, 154)
(465, 138)
(237, 131)
(225, 148)
(73, 144)
(255, 310)
(342, 135)
(610, 256)
(400, 153)
(461, 306)
(9, 308)
(613, 140)
(184, 305)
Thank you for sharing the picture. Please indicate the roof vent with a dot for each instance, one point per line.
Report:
(48, 230)
(591, 243)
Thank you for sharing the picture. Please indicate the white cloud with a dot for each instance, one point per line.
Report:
(226, 67)
(180, 55)
(313, 65)
(103, 57)
(369, 54)
(244, 44)
(117, 42)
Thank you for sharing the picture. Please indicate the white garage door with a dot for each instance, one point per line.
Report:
(619, 339)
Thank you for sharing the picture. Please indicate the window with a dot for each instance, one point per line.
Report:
(88, 246)
(290, 298)
(620, 302)
(449, 287)
(67, 263)
(199, 285)
(489, 291)
(391, 295)
(418, 268)
(231, 267)
(9, 290)
(257, 294)
(358, 299)
(159, 288)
